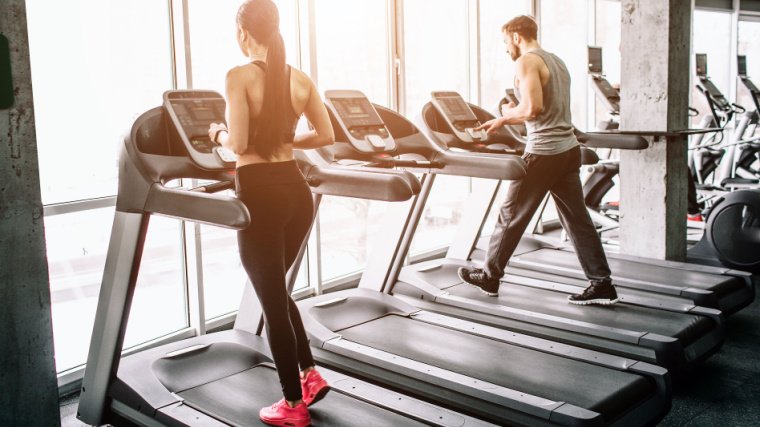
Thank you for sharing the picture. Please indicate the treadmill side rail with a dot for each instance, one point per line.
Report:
(493, 393)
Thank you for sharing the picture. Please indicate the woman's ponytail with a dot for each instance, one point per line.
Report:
(262, 20)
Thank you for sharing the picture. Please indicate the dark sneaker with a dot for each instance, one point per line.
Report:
(478, 278)
(602, 294)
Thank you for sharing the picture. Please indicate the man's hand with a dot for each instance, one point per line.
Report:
(491, 126)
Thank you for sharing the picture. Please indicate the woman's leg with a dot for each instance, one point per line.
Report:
(262, 251)
(296, 231)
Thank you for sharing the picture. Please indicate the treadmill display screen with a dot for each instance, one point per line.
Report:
(203, 114)
(742, 65)
(594, 60)
(356, 112)
(456, 109)
(701, 64)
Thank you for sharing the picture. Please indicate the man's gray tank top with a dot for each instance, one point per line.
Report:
(551, 132)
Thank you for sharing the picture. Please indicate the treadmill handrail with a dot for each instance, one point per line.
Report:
(212, 209)
(611, 140)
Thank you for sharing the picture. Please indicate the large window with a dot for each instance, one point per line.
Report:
(608, 23)
(749, 45)
(77, 244)
(352, 47)
(349, 228)
(563, 31)
(442, 213)
(497, 70)
(435, 50)
(91, 78)
(716, 44)
(76, 252)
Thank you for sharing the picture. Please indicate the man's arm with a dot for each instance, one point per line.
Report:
(532, 102)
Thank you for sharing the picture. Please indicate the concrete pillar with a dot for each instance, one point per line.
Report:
(28, 386)
(655, 45)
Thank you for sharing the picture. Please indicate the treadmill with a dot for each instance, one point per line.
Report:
(722, 288)
(605, 93)
(499, 375)
(225, 377)
(672, 333)
(746, 161)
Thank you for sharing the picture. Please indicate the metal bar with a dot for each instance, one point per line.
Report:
(79, 206)
(410, 227)
(117, 289)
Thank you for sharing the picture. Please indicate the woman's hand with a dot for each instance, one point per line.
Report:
(213, 128)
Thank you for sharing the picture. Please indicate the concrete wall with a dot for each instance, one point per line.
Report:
(655, 43)
(28, 386)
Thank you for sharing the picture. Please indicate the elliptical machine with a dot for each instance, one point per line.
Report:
(732, 231)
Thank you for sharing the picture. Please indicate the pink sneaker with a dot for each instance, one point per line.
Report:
(313, 387)
(281, 414)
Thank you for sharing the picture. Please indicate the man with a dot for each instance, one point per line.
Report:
(553, 160)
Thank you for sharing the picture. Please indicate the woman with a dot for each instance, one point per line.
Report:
(264, 100)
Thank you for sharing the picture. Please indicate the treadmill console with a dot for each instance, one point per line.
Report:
(701, 61)
(191, 113)
(707, 85)
(594, 60)
(459, 116)
(747, 82)
(359, 120)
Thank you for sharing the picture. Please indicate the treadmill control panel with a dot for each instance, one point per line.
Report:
(594, 60)
(741, 62)
(459, 116)
(701, 64)
(360, 121)
(192, 111)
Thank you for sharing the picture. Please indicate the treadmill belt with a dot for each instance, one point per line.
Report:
(236, 400)
(599, 389)
(636, 270)
(686, 327)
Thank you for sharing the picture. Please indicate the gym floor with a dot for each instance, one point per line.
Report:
(724, 391)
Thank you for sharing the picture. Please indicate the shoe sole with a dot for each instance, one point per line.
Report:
(320, 395)
(490, 294)
(288, 422)
(599, 301)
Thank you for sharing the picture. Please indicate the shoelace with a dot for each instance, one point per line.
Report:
(280, 404)
(588, 291)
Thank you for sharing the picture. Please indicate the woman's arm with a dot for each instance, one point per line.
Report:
(235, 136)
(316, 113)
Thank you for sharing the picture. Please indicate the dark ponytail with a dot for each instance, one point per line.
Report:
(262, 20)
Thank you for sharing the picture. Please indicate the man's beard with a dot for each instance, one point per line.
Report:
(515, 53)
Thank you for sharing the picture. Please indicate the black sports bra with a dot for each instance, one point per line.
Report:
(288, 134)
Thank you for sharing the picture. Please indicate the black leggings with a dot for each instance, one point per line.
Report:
(281, 208)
